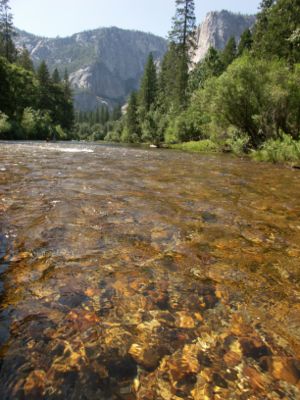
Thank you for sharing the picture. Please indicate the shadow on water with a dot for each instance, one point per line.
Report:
(4, 314)
(4, 264)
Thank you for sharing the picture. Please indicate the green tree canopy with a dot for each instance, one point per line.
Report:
(184, 25)
(182, 39)
(45, 96)
(132, 132)
(205, 69)
(56, 77)
(148, 90)
(67, 119)
(24, 60)
(245, 42)
(166, 90)
(277, 32)
(229, 53)
(7, 32)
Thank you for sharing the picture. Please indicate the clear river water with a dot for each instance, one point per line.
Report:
(130, 273)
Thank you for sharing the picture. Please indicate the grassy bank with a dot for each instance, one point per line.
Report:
(202, 146)
(284, 150)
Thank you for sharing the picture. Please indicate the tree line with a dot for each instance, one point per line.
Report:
(243, 98)
(34, 104)
(95, 125)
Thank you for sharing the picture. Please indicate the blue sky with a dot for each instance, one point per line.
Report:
(64, 17)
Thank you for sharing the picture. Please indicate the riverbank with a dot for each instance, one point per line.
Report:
(285, 151)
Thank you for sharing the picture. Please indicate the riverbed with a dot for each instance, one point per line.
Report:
(129, 274)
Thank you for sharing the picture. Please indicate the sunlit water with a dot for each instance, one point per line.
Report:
(147, 274)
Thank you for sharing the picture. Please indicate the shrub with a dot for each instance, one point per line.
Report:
(200, 146)
(185, 128)
(279, 150)
(130, 137)
(83, 130)
(36, 124)
(113, 136)
(202, 111)
(257, 97)
(240, 96)
(238, 143)
(5, 126)
(153, 127)
(60, 133)
(99, 132)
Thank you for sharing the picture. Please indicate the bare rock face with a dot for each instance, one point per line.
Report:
(105, 64)
(217, 29)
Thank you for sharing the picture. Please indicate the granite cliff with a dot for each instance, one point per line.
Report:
(217, 28)
(106, 64)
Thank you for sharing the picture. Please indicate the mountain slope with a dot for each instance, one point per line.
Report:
(105, 64)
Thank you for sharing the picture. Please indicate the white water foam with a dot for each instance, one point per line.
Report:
(57, 148)
(69, 149)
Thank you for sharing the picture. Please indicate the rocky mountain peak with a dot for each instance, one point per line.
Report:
(106, 64)
(217, 28)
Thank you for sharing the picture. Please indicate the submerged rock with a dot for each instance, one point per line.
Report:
(126, 291)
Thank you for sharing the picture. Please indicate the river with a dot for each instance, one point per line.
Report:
(142, 274)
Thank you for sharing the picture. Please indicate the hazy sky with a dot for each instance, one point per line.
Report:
(65, 17)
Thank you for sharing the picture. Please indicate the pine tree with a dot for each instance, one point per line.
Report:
(80, 116)
(277, 31)
(181, 82)
(106, 114)
(182, 38)
(205, 69)
(261, 26)
(213, 63)
(245, 42)
(184, 25)
(68, 107)
(7, 32)
(148, 91)
(67, 86)
(116, 113)
(45, 101)
(43, 74)
(25, 61)
(97, 116)
(56, 88)
(229, 53)
(102, 115)
(91, 118)
(6, 103)
(262, 22)
(166, 92)
(133, 131)
(56, 77)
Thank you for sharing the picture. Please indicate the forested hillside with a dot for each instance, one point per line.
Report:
(104, 64)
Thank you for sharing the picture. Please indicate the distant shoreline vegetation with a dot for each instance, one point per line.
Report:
(244, 99)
